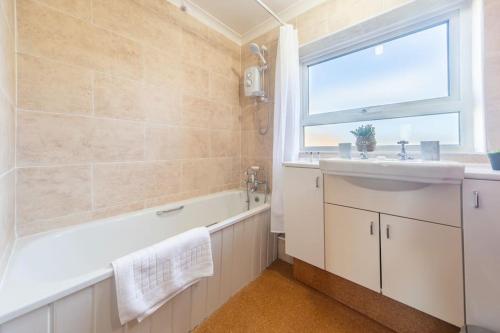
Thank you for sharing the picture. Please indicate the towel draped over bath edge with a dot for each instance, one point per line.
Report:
(148, 278)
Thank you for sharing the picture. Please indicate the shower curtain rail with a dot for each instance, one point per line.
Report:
(270, 11)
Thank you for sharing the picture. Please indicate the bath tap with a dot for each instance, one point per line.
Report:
(252, 183)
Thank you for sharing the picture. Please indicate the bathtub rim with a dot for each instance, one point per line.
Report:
(102, 274)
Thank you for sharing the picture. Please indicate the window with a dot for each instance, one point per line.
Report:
(405, 82)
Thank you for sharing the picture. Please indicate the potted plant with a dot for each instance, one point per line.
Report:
(495, 159)
(365, 138)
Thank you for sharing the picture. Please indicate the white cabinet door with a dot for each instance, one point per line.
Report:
(422, 266)
(482, 252)
(303, 208)
(352, 248)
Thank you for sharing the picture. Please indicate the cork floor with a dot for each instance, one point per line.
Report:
(275, 302)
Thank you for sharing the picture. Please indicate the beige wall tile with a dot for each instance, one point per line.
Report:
(163, 178)
(162, 67)
(48, 86)
(195, 142)
(118, 98)
(492, 82)
(125, 17)
(118, 184)
(195, 80)
(195, 49)
(196, 175)
(77, 8)
(223, 89)
(163, 143)
(8, 9)
(491, 27)
(49, 33)
(197, 111)
(125, 86)
(161, 33)
(116, 140)
(7, 132)
(51, 192)
(7, 56)
(162, 103)
(45, 139)
(7, 207)
(224, 143)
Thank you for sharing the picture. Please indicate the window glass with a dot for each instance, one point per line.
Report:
(409, 68)
(440, 127)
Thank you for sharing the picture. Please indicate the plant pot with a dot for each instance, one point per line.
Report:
(495, 160)
(369, 142)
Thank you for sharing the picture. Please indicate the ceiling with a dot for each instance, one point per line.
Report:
(240, 19)
(241, 15)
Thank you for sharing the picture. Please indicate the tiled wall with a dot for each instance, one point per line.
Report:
(7, 128)
(327, 18)
(492, 72)
(122, 104)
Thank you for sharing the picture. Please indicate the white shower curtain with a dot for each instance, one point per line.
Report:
(286, 117)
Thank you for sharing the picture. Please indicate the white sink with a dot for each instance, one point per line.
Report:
(419, 171)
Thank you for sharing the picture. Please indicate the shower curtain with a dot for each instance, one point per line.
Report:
(286, 117)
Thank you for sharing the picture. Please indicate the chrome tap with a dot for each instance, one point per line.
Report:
(252, 180)
(252, 183)
(403, 155)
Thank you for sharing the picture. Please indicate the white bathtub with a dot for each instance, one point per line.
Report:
(46, 268)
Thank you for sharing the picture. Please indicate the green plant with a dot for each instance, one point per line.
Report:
(364, 131)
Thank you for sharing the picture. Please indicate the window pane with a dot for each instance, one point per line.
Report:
(441, 127)
(409, 68)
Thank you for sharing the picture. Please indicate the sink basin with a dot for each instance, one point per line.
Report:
(419, 171)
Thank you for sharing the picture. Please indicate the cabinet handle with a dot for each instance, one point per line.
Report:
(387, 232)
(317, 182)
(475, 196)
(371, 228)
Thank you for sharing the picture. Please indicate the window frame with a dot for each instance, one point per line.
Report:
(459, 68)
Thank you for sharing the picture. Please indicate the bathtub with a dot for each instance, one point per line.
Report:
(61, 281)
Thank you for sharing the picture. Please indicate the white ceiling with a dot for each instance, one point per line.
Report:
(242, 20)
(241, 15)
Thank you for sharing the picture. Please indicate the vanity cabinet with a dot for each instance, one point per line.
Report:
(352, 245)
(398, 238)
(303, 211)
(481, 205)
(422, 266)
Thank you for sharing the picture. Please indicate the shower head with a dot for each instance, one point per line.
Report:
(259, 51)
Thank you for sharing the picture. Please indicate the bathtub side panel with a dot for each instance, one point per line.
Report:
(106, 308)
(240, 251)
(214, 299)
(38, 321)
(74, 313)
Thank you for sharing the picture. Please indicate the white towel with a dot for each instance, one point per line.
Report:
(148, 278)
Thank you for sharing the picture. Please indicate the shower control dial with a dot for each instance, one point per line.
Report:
(253, 84)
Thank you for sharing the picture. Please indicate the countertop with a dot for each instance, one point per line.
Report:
(472, 171)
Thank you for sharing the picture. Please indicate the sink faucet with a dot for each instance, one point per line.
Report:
(403, 155)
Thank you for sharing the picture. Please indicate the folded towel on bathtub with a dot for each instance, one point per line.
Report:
(148, 278)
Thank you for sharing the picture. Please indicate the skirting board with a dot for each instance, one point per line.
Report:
(388, 312)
